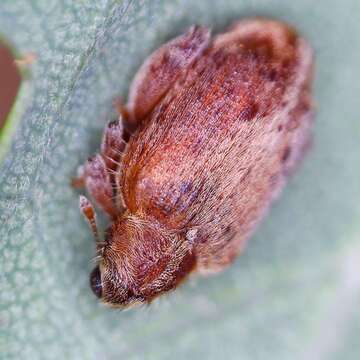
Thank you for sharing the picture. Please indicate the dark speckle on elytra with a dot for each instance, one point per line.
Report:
(250, 112)
(185, 187)
(227, 229)
(273, 75)
(286, 154)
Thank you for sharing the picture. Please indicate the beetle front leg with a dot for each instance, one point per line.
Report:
(98, 183)
(98, 175)
(113, 145)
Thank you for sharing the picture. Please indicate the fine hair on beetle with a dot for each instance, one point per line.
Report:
(213, 127)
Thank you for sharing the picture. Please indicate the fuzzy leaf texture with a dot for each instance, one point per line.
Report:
(293, 294)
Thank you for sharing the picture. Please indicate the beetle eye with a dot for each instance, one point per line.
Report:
(95, 282)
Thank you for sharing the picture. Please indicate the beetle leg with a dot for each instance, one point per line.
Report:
(98, 174)
(121, 109)
(129, 126)
(78, 182)
(98, 183)
(113, 145)
(158, 73)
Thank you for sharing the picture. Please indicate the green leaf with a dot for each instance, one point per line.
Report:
(295, 292)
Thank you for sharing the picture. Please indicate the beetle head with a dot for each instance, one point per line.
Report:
(139, 261)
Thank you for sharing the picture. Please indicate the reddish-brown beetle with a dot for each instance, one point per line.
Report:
(217, 124)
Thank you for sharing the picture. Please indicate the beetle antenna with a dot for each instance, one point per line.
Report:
(88, 211)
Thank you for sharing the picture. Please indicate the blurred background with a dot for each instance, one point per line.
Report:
(293, 294)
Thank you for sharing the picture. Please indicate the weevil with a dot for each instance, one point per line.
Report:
(218, 123)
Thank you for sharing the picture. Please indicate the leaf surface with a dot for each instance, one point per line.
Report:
(295, 292)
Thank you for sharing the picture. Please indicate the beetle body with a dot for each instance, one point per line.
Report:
(219, 126)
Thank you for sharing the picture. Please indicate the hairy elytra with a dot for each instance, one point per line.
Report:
(212, 129)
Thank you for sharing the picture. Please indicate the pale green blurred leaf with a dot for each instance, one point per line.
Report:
(294, 294)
